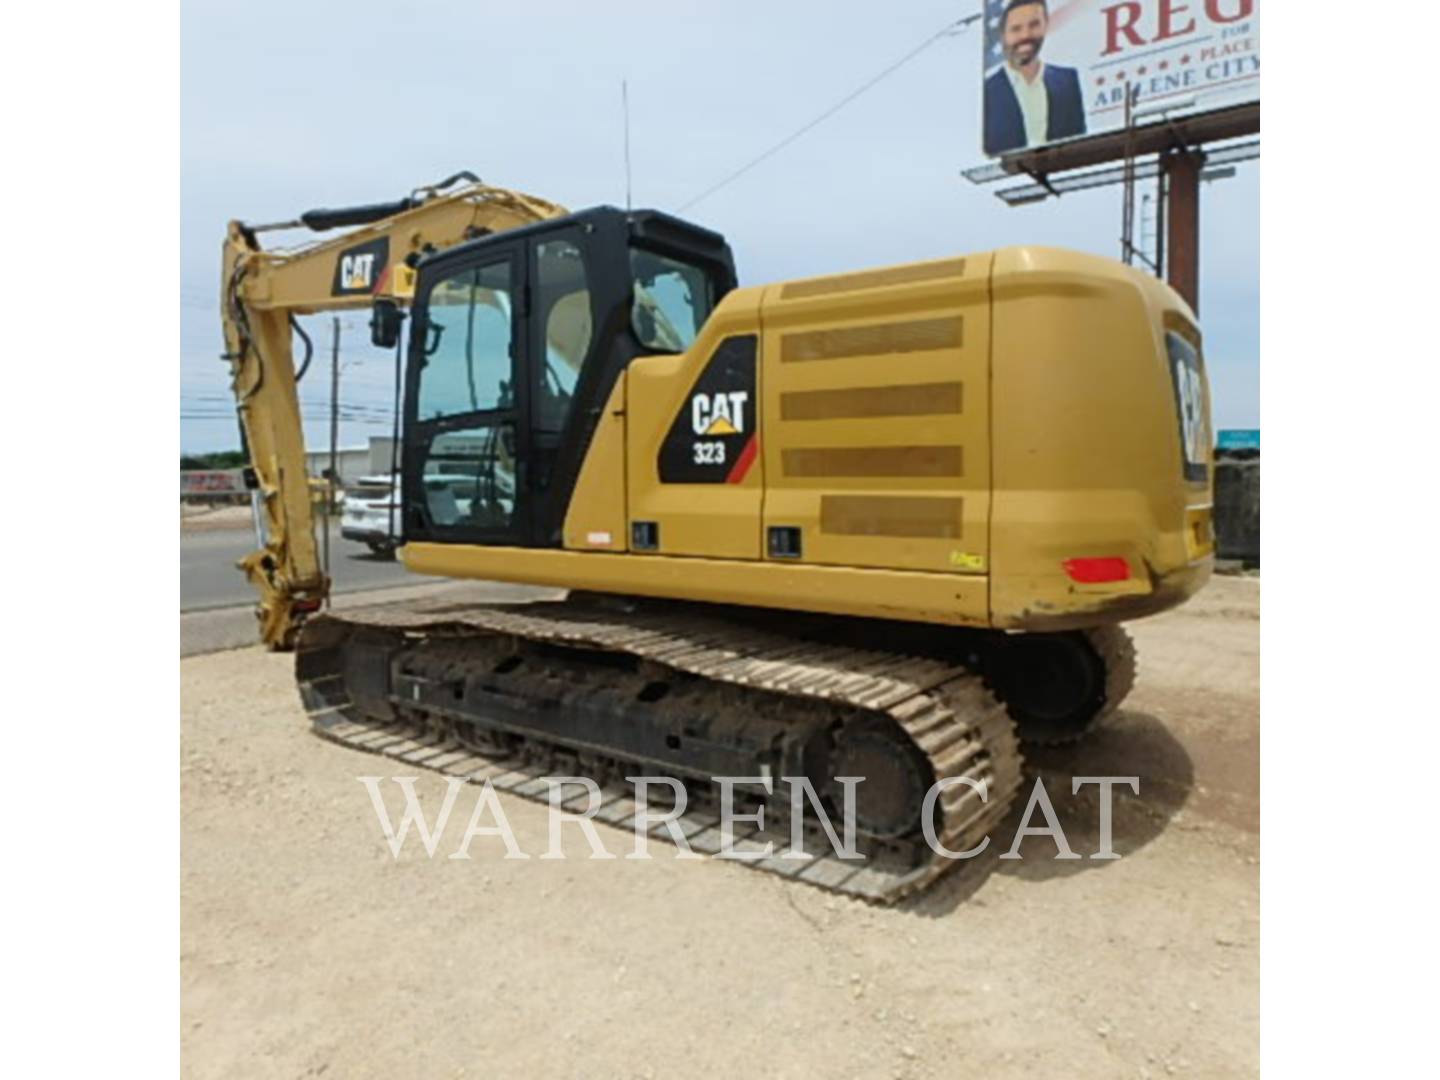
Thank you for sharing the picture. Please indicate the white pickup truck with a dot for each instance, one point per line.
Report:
(371, 514)
(371, 508)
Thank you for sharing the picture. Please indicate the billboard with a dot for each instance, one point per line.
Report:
(212, 482)
(1060, 69)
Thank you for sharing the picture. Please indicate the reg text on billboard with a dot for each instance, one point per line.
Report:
(1060, 69)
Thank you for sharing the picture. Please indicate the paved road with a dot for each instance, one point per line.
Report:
(208, 578)
(218, 629)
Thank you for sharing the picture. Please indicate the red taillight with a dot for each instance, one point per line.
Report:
(1096, 571)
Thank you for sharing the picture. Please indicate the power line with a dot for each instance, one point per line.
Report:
(362, 418)
(948, 30)
(205, 402)
(229, 418)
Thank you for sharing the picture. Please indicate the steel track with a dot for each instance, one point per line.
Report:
(942, 708)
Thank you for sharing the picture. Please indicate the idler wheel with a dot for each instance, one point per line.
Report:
(896, 776)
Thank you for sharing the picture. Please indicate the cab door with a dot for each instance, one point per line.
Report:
(467, 404)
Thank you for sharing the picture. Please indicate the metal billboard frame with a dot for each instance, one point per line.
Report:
(1177, 143)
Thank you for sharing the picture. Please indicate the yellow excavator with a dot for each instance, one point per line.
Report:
(883, 524)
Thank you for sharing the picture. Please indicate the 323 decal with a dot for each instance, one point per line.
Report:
(713, 438)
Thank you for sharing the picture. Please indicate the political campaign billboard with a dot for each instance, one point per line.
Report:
(1060, 70)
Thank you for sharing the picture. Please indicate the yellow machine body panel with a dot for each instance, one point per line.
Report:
(876, 418)
(835, 590)
(1089, 442)
(597, 519)
(718, 521)
(1012, 439)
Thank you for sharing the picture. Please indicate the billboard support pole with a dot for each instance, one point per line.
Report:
(1127, 199)
(1161, 224)
(1043, 181)
(1181, 170)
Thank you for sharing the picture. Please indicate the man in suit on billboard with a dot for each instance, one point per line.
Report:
(1029, 102)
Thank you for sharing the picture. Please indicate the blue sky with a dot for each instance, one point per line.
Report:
(290, 106)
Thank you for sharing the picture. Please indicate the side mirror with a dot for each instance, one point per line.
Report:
(385, 319)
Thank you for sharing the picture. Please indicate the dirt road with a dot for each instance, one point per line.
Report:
(308, 950)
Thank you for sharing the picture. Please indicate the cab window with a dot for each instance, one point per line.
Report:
(563, 296)
(469, 477)
(672, 300)
(469, 344)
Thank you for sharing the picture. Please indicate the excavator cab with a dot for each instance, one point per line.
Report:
(516, 341)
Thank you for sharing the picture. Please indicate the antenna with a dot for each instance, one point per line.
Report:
(625, 108)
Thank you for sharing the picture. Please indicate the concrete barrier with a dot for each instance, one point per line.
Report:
(1237, 505)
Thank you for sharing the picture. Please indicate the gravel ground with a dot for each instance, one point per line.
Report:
(308, 950)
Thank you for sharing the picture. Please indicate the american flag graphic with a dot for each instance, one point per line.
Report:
(994, 54)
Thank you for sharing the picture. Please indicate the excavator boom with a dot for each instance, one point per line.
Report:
(261, 294)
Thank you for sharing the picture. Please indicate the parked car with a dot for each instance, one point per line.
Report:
(371, 513)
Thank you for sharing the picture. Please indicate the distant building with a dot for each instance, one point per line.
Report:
(380, 454)
(352, 462)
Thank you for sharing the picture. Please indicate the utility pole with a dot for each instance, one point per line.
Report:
(334, 441)
(393, 516)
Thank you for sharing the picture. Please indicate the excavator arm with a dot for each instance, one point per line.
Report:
(261, 294)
